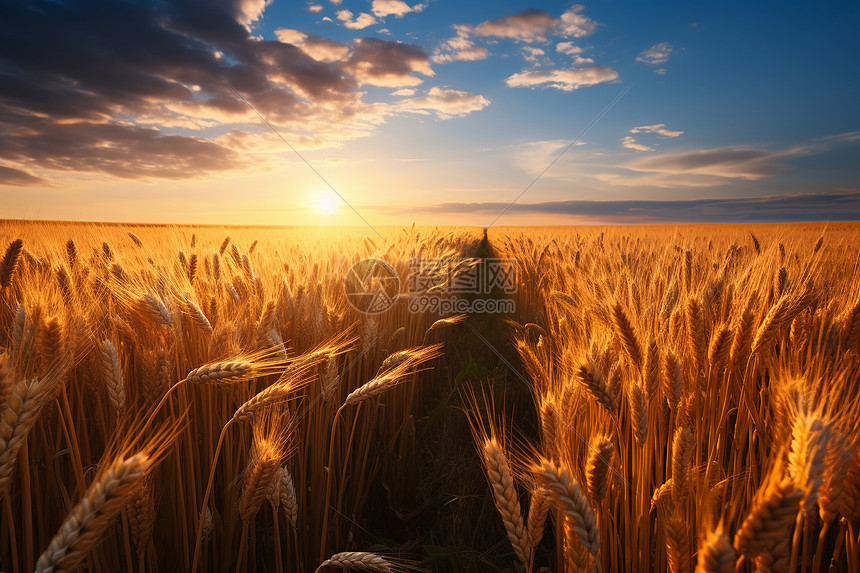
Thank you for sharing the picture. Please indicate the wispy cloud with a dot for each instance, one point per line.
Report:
(630, 142)
(566, 79)
(459, 48)
(656, 54)
(658, 128)
(843, 205)
(11, 176)
(729, 162)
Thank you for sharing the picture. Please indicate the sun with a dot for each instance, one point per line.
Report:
(324, 202)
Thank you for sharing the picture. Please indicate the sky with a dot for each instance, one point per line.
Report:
(392, 112)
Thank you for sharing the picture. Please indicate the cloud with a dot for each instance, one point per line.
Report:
(403, 92)
(568, 48)
(320, 49)
(566, 79)
(117, 150)
(737, 162)
(445, 103)
(630, 143)
(383, 8)
(573, 23)
(459, 49)
(388, 64)
(315, 8)
(10, 176)
(656, 54)
(360, 22)
(534, 55)
(658, 128)
(842, 205)
(127, 101)
(720, 167)
(534, 25)
(528, 26)
(249, 11)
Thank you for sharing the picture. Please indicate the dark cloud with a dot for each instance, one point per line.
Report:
(119, 150)
(104, 86)
(388, 64)
(9, 176)
(842, 205)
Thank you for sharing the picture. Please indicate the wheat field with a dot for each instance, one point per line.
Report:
(206, 399)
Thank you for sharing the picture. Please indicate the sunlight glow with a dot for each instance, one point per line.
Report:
(324, 202)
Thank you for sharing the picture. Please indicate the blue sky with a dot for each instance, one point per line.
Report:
(436, 113)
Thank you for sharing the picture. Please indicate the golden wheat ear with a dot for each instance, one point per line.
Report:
(364, 561)
(569, 498)
(85, 524)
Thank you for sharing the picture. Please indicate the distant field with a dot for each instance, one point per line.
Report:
(208, 398)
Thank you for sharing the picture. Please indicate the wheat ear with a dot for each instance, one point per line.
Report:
(538, 510)
(505, 497)
(569, 499)
(717, 554)
(221, 372)
(112, 372)
(597, 387)
(769, 518)
(10, 262)
(23, 406)
(682, 455)
(197, 316)
(361, 561)
(624, 330)
(597, 468)
(282, 493)
(84, 525)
